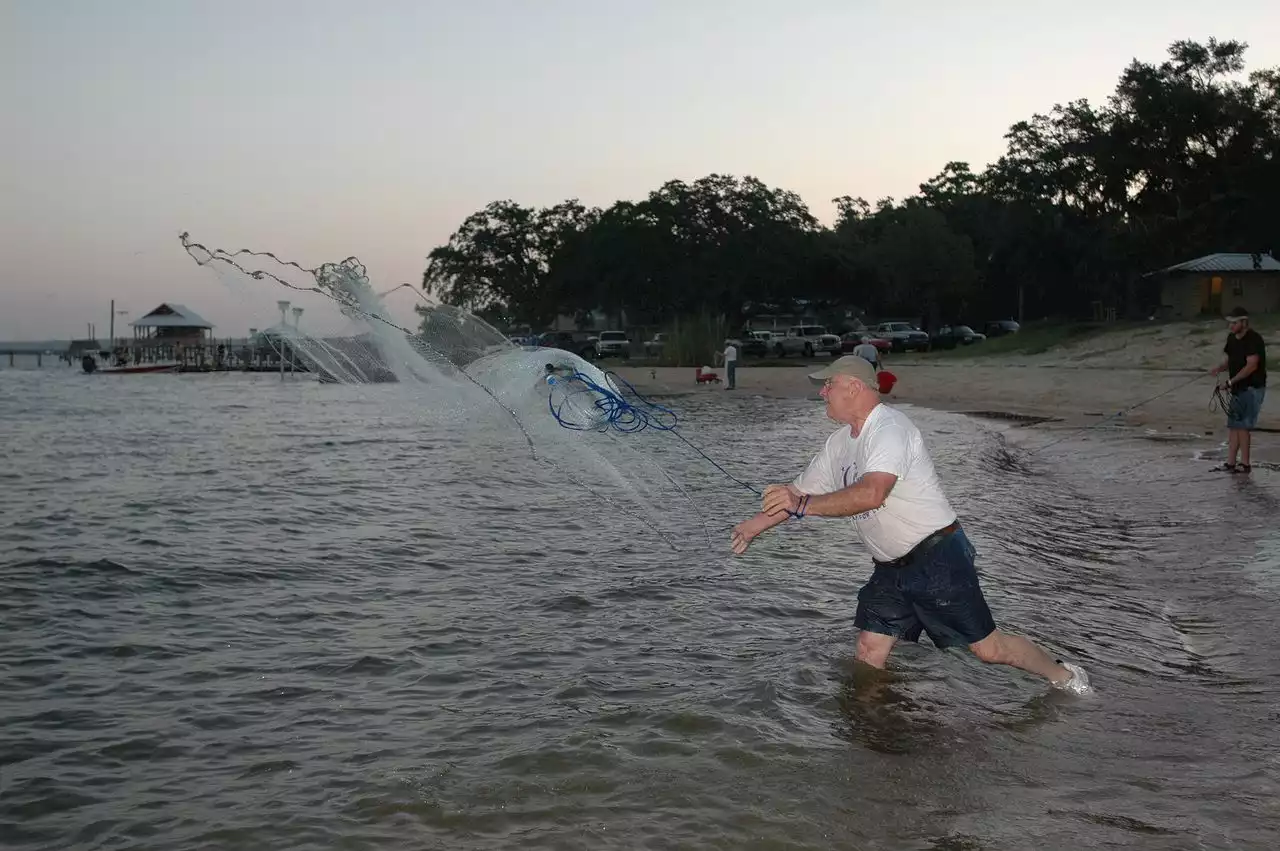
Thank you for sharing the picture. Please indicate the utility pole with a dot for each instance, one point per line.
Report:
(284, 308)
(297, 313)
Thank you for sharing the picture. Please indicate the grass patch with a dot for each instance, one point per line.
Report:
(1039, 337)
(694, 341)
(699, 340)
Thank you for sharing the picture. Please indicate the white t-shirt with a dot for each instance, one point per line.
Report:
(867, 352)
(889, 443)
(730, 354)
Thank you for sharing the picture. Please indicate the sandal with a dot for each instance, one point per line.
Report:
(1223, 468)
(1243, 468)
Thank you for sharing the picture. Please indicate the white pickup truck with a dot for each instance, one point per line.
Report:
(613, 344)
(807, 340)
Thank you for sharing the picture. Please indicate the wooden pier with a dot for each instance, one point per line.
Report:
(13, 354)
(213, 356)
(225, 356)
(175, 338)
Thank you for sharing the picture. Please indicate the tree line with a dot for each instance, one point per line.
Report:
(1183, 159)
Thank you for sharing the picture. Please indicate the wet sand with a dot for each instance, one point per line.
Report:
(1174, 402)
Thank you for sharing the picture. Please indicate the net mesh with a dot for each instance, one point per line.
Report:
(457, 367)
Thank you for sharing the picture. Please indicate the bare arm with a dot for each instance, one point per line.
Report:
(746, 531)
(867, 493)
(784, 501)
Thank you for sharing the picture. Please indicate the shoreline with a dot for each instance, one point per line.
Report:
(1168, 403)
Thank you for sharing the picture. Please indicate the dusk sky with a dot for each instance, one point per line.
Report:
(319, 130)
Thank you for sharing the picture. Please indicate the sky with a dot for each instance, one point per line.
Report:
(319, 130)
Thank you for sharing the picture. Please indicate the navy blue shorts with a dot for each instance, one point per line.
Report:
(937, 592)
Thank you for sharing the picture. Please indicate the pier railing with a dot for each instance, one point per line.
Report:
(212, 356)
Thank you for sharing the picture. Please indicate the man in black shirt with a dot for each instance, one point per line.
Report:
(1245, 362)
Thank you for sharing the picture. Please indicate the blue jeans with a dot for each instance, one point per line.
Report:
(937, 591)
(1244, 408)
(731, 369)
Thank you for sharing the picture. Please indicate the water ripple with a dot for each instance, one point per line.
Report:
(283, 615)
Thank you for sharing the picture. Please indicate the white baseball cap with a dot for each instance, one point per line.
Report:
(853, 366)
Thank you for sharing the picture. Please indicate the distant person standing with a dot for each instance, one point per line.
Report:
(868, 352)
(1245, 362)
(730, 363)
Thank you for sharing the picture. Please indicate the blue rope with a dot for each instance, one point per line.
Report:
(616, 412)
(623, 415)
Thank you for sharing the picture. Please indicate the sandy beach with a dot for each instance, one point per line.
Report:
(1175, 402)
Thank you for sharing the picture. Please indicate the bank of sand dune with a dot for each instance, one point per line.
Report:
(1095, 383)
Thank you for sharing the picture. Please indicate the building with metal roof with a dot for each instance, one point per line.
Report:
(1209, 285)
(172, 323)
(1238, 262)
(172, 316)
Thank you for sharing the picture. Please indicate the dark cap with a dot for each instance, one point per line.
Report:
(1237, 314)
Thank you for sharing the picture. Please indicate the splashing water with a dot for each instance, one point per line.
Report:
(459, 368)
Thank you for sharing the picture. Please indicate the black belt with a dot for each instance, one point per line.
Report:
(922, 547)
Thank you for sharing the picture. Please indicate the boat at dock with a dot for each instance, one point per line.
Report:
(89, 363)
(137, 369)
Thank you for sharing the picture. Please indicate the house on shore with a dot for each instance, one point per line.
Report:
(1211, 284)
(171, 325)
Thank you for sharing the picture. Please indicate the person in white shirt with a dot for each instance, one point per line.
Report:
(876, 470)
(730, 363)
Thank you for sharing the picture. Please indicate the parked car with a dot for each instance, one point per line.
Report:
(580, 345)
(806, 340)
(903, 336)
(852, 339)
(653, 348)
(1000, 327)
(756, 343)
(950, 336)
(613, 344)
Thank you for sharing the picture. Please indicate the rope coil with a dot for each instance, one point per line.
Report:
(621, 414)
(1219, 401)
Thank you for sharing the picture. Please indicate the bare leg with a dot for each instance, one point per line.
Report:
(1233, 444)
(874, 648)
(1245, 439)
(1000, 648)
